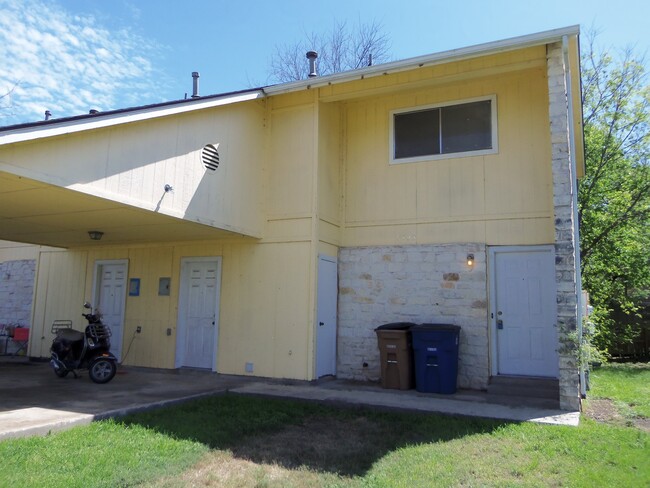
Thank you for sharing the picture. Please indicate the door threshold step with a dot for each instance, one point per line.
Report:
(524, 387)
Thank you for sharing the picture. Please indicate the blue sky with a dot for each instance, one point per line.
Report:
(69, 56)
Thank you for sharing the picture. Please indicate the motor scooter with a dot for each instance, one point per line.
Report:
(72, 349)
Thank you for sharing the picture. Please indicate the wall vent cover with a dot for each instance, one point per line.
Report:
(210, 157)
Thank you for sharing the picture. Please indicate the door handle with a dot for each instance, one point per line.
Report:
(499, 324)
(321, 323)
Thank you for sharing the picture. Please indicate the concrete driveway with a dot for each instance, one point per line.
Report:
(33, 401)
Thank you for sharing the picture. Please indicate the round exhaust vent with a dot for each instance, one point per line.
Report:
(210, 157)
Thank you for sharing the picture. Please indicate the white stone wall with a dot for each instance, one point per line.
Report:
(16, 291)
(564, 201)
(420, 284)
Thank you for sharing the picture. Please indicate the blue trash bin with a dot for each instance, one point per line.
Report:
(435, 351)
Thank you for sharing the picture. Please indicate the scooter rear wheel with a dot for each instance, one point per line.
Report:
(102, 370)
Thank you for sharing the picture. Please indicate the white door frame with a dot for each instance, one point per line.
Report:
(180, 321)
(492, 317)
(97, 278)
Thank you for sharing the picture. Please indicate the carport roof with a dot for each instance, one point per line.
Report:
(35, 212)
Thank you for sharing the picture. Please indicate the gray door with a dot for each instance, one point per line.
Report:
(524, 312)
(326, 317)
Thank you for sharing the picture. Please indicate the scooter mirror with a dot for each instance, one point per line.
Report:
(87, 305)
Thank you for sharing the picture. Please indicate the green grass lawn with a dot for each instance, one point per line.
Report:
(229, 440)
(627, 384)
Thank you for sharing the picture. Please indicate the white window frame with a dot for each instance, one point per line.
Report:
(433, 157)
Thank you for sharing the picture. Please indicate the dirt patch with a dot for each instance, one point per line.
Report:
(643, 424)
(605, 411)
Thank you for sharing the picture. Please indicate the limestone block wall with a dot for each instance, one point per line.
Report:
(564, 201)
(16, 291)
(417, 283)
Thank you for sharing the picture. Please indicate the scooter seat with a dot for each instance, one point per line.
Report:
(70, 335)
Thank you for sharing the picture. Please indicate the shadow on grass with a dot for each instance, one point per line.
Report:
(344, 441)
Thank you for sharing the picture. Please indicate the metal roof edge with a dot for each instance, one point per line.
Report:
(493, 47)
(69, 125)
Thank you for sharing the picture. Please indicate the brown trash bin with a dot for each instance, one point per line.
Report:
(396, 355)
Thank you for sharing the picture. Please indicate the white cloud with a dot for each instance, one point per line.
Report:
(68, 64)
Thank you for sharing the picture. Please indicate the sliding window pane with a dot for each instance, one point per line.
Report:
(467, 127)
(417, 134)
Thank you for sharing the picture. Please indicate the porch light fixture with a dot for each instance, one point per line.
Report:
(470, 260)
(95, 235)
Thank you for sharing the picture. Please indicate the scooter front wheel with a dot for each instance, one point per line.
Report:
(102, 370)
(61, 373)
(58, 368)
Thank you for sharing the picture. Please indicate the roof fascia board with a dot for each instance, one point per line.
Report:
(101, 121)
(489, 48)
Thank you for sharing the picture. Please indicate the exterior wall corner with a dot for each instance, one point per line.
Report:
(564, 202)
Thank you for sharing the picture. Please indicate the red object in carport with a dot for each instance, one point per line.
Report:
(20, 338)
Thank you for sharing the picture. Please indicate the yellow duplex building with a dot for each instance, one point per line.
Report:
(268, 232)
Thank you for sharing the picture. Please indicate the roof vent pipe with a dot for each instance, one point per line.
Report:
(48, 114)
(93, 111)
(311, 56)
(195, 84)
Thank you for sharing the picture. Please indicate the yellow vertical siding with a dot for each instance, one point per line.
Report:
(60, 288)
(289, 169)
(329, 163)
(265, 310)
(456, 199)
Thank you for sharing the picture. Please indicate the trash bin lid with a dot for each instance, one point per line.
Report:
(396, 326)
(425, 327)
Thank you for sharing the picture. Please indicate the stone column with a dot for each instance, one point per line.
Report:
(565, 246)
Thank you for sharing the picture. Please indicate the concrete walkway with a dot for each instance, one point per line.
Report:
(34, 402)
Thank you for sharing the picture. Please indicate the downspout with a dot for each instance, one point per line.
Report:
(574, 189)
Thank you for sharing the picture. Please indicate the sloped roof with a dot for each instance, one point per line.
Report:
(65, 125)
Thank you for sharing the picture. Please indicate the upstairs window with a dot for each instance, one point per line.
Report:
(443, 131)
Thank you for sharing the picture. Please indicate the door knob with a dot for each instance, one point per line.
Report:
(321, 323)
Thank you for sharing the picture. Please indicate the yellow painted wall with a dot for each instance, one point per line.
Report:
(265, 316)
(288, 171)
(267, 292)
(13, 251)
(59, 295)
(264, 304)
(490, 198)
(132, 163)
(330, 138)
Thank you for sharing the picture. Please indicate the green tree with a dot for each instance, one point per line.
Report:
(614, 196)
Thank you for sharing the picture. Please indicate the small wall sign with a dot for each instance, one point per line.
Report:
(134, 287)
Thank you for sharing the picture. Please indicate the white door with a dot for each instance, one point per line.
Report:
(198, 313)
(523, 311)
(326, 317)
(111, 300)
